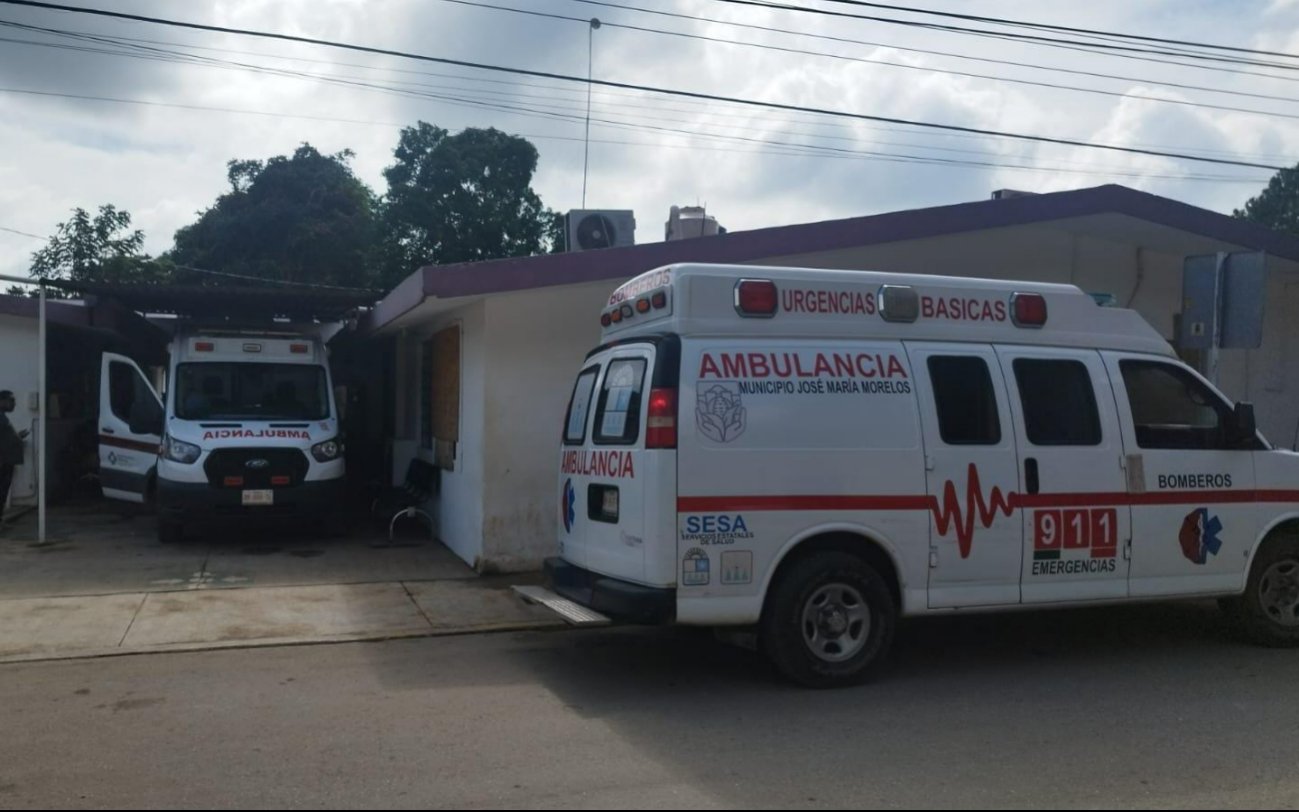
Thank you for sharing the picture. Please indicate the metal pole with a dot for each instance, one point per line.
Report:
(590, 55)
(43, 418)
(1211, 355)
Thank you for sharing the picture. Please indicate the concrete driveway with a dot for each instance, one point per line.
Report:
(104, 585)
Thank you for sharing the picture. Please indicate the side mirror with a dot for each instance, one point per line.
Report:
(1244, 426)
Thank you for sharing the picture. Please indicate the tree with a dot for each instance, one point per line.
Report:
(1277, 206)
(459, 198)
(99, 248)
(299, 218)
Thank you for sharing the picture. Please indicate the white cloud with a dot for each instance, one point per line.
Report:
(164, 164)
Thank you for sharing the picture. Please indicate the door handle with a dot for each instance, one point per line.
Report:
(1031, 481)
(107, 430)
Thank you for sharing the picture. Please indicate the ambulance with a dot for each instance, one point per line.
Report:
(804, 456)
(247, 429)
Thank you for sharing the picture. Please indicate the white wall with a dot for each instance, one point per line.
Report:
(458, 509)
(20, 371)
(536, 343)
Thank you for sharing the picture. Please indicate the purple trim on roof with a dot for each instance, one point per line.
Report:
(57, 312)
(523, 273)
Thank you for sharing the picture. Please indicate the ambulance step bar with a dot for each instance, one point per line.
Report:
(575, 614)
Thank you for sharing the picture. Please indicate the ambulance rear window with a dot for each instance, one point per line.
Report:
(617, 417)
(579, 406)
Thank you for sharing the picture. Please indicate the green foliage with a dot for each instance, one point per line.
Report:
(1277, 206)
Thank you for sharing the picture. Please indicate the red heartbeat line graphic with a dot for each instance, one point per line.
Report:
(951, 511)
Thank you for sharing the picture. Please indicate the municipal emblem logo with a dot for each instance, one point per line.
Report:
(1199, 536)
(719, 412)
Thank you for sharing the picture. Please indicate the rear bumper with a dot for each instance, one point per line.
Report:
(190, 500)
(620, 600)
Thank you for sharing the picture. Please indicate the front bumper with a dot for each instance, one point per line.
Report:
(620, 600)
(317, 499)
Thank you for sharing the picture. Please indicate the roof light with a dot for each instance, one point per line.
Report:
(627, 312)
(298, 349)
(615, 315)
(756, 298)
(605, 320)
(204, 346)
(252, 348)
(659, 300)
(643, 306)
(899, 303)
(1028, 309)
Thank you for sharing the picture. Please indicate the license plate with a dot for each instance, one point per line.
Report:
(611, 503)
(259, 497)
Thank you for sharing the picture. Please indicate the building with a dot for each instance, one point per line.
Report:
(78, 332)
(482, 356)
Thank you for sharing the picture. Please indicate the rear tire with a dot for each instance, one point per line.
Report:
(829, 621)
(1268, 613)
(170, 531)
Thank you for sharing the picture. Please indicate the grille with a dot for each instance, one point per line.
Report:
(231, 462)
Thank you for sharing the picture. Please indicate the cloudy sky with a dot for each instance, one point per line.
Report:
(199, 99)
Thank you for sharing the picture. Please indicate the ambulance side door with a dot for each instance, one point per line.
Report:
(1077, 522)
(1194, 514)
(130, 429)
(976, 539)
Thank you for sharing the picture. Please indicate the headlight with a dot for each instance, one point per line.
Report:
(179, 450)
(327, 451)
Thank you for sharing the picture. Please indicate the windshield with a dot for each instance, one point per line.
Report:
(219, 391)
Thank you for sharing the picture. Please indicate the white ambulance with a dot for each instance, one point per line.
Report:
(248, 429)
(811, 454)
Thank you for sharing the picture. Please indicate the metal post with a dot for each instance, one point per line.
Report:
(590, 61)
(43, 418)
(1211, 354)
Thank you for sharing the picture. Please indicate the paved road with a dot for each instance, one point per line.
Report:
(1117, 707)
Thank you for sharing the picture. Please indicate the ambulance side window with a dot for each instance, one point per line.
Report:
(1059, 402)
(617, 414)
(1172, 409)
(579, 406)
(965, 399)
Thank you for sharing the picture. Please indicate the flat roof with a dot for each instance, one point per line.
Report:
(237, 302)
(546, 270)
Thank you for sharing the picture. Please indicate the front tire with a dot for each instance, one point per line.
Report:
(1268, 612)
(829, 621)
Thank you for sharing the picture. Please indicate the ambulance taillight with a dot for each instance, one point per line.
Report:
(661, 420)
(1028, 309)
(756, 298)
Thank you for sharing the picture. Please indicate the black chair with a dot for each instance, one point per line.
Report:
(407, 500)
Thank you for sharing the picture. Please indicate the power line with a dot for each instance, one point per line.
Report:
(192, 59)
(1062, 28)
(1118, 50)
(631, 86)
(950, 54)
(22, 233)
(887, 63)
(782, 148)
(154, 53)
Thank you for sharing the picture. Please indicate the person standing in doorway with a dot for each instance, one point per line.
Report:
(11, 447)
